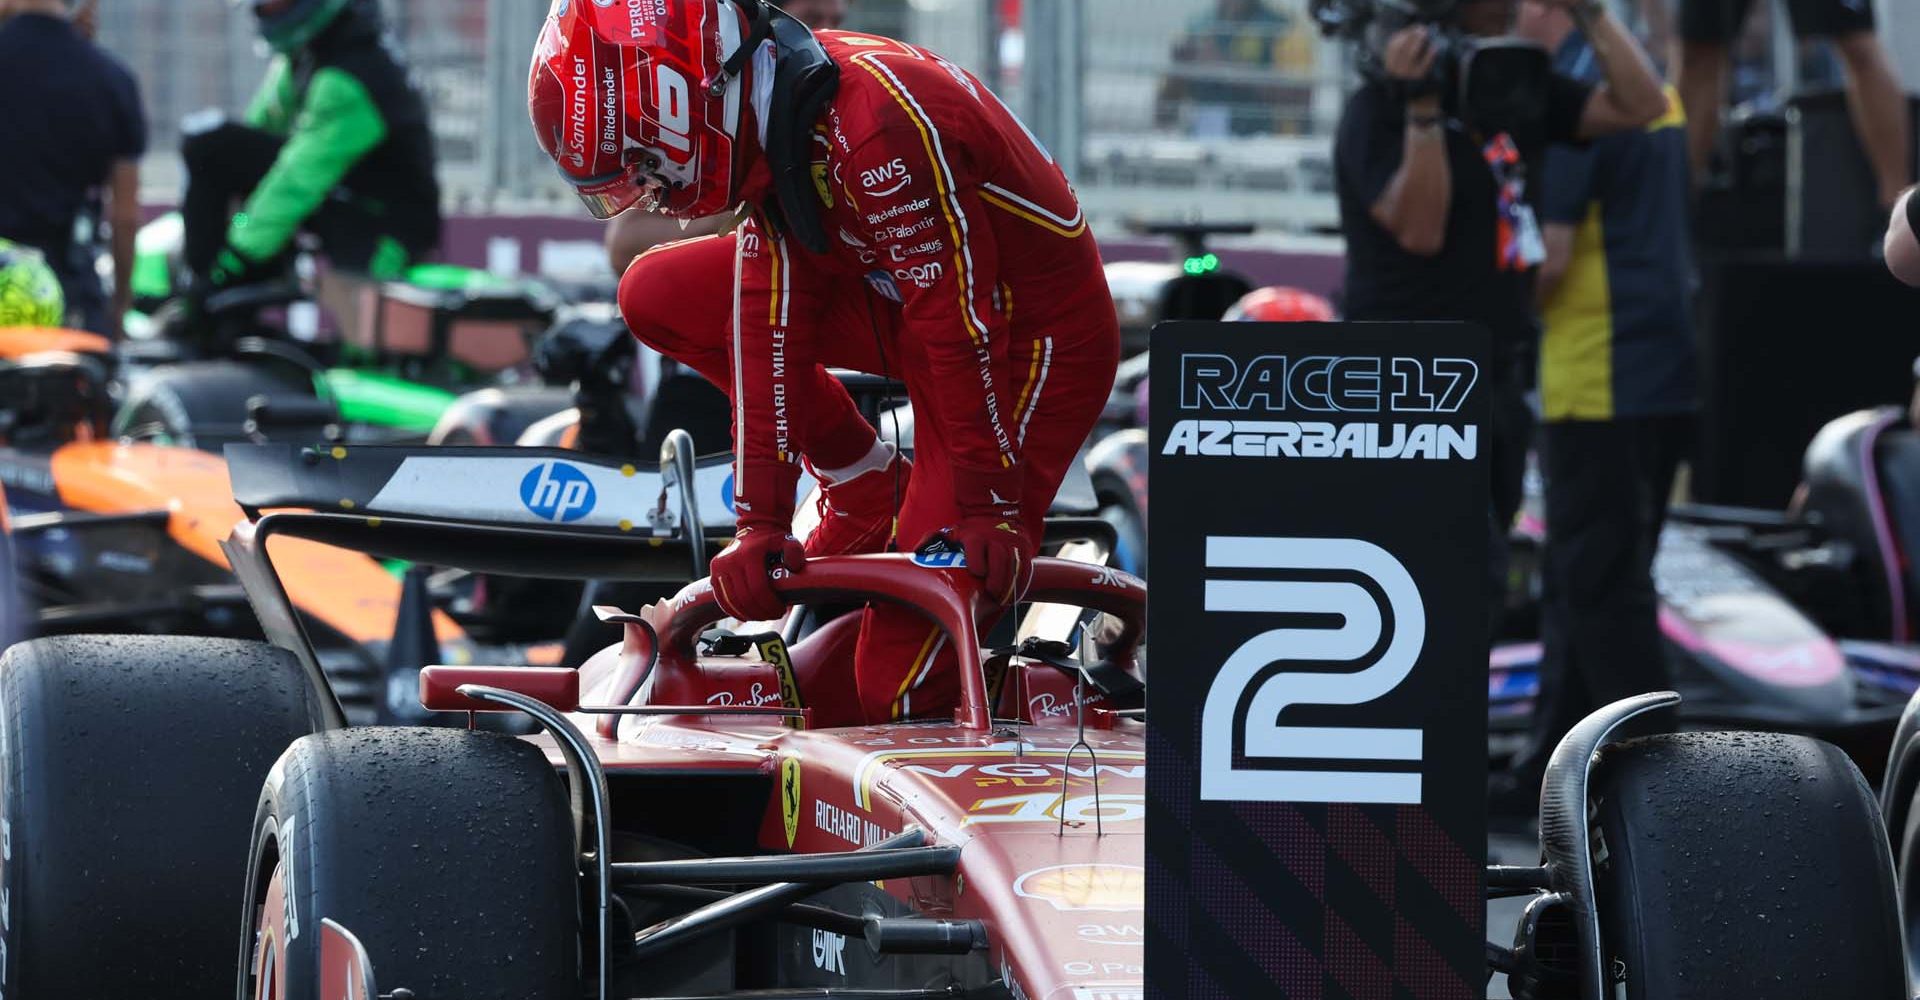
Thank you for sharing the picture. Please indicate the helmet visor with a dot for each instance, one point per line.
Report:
(612, 194)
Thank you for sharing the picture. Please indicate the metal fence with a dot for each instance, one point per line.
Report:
(1212, 108)
(1158, 108)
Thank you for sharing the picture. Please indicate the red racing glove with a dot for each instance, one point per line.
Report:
(990, 533)
(743, 575)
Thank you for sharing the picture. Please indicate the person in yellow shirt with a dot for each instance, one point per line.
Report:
(1618, 390)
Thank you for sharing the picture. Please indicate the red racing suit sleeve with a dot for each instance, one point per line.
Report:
(772, 349)
(931, 237)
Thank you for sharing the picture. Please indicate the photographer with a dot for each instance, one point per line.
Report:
(1434, 166)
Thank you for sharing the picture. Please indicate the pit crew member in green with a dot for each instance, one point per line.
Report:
(1618, 390)
(336, 143)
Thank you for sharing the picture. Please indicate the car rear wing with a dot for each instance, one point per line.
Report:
(529, 512)
(536, 487)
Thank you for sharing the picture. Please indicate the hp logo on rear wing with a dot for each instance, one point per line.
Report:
(558, 492)
(1382, 629)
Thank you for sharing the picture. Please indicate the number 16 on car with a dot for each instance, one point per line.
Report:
(1244, 749)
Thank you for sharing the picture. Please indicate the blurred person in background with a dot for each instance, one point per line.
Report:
(1618, 390)
(630, 235)
(30, 293)
(1440, 218)
(71, 132)
(337, 142)
(1223, 78)
(1874, 96)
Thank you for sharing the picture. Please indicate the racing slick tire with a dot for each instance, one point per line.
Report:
(1740, 865)
(447, 853)
(130, 766)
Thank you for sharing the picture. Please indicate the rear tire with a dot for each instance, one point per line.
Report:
(203, 404)
(448, 853)
(1740, 865)
(130, 766)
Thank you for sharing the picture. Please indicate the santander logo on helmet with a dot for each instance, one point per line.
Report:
(578, 112)
(618, 97)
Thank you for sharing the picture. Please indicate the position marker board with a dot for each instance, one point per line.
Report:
(1318, 734)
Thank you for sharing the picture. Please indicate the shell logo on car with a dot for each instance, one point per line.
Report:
(1119, 888)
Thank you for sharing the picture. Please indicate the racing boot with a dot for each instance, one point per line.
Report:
(856, 511)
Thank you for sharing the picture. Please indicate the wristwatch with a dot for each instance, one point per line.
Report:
(1425, 123)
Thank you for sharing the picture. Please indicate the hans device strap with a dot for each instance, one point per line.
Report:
(805, 79)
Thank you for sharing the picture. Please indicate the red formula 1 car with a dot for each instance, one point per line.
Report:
(703, 815)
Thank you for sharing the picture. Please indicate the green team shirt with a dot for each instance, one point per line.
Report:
(356, 130)
(329, 129)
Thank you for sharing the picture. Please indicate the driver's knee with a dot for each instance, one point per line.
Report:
(677, 298)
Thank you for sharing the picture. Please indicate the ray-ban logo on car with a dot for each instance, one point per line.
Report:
(558, 492)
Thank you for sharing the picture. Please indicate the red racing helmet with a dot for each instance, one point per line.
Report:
(638, 104)
(1280, 304)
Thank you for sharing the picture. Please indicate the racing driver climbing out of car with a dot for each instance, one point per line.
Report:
(897, 219)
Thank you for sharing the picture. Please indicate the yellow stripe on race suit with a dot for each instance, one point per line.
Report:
(1019, 207)
(773, 293)
(957, 225)
(943, 183)
(915, 672)
(1036, 382)
(1033, 376)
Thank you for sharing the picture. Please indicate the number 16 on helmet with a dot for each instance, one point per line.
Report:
(634, 103)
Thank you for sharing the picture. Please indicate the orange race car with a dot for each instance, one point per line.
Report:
(119, 537)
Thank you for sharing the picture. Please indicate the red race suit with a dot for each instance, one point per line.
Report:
(960, 264)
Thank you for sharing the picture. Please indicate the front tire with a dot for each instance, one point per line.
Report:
(448, 853)
(1741, 865)
(130, 767)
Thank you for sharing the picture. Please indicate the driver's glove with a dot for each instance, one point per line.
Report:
(743, 575)
(990, 533)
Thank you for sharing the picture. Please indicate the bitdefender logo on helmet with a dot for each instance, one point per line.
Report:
(558, 492)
